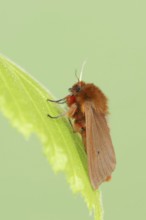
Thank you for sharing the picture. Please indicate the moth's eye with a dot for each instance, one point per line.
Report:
(78, 89)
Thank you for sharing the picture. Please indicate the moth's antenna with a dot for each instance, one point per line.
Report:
(76, 75)
(81, 74)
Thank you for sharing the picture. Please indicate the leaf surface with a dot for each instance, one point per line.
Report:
(23, 102)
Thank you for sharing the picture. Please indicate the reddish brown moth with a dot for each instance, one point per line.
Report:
(87, 106)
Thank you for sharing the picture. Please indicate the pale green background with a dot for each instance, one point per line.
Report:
(50, 39)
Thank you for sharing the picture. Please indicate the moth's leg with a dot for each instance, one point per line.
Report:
(73, 129)
(76, 127)
(69, 114)
(60, 101)
(58, 116)
(79, 127)
(72, 110)
(83, 134)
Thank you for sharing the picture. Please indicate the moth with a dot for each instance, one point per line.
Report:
(88, 109)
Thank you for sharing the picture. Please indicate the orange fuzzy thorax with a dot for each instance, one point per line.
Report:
(89, 92)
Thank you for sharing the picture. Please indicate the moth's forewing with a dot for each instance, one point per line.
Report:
(100, 152)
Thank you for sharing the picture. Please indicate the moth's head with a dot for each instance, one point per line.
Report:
(77, 88)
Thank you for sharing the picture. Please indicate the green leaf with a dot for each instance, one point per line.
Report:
(23, 102)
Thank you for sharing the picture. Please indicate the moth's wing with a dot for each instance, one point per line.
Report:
(100, 151)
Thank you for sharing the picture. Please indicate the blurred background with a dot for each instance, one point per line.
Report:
(51, 39)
